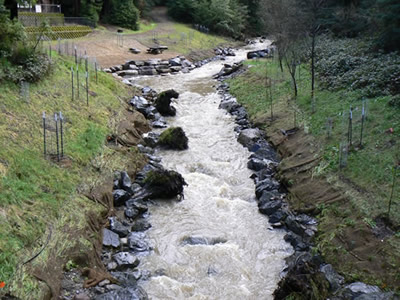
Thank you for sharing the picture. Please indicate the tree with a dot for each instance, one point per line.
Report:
(389, 20)
(125, 14)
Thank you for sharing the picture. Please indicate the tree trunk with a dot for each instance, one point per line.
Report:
(12, 6)
(313, 64)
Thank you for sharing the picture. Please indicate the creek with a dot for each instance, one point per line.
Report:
(214, 244)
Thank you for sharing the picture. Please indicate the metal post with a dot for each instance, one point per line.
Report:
(72, 83)
(59, 46)
(87, 88)
(76, 56)
(95, 68)
(44, 134)
(50, 51)
(362, 124)
(86, 62)
(350, 132)
(57, 141)
(77, 79)
(62, 134)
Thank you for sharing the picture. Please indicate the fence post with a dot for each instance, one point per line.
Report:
(59, 46)
(350, 130)
(76, 55)
(362, 123)
(62, 134)
(77, 79)
(44, 134)
(95, 68)
(72, 83)
(87, 89)
(57, 140)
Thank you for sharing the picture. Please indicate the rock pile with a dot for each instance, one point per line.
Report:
(154, 106)
(134, 68)
(305, 270)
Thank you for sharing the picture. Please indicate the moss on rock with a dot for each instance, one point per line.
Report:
(174, 138)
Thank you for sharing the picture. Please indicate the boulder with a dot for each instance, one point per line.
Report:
(268, 208)
(164, 184)
(175, 62)
(163, 103)
(176, 69)
(249, 137)
(334, 279)
(120, 196)
(229, 105)
(357, 289)
(256, 164)
(131, 213)
(125, 260)
(134, 50)
(128, 278)
(140, 103)
(125, 181)
(141, 225)
(117, 227)
(192, 240)
(137, 243)
(267, 184)
(110, 238)
(151, 139)
(131, 293)
(174, 138)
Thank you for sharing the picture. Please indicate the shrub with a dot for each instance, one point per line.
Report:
(353, 63)
(125, 14)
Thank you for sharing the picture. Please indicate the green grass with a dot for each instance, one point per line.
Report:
(369, 167)
(185, 39)
(34, 190)
(367, 179)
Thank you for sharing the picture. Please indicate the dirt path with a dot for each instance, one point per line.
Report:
(104, 44)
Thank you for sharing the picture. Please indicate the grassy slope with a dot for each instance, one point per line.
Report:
(367, 178)
(36, 193)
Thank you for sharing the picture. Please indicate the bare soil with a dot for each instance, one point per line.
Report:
(358, 250)
(103, 44)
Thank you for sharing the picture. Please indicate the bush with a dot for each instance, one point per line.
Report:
(125, 14)
(353, 63)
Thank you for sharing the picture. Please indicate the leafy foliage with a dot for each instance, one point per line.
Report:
(124, 13)
(226, 17)
(352, 63)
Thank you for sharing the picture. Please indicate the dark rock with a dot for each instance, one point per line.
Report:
(249, 137)
(294, 226)
(136, 242)
(151, 139)
(277, 217)
(256, 164)
(268, 208)
(125, 278)
(110, 238)
(159, 124)
(173, 138)
(128, 293)
(228, 69)
(176, 69)
(144, 149)
(296, 242)
(140, 103)
(125, 181)
(263, 174)
(125, 260)
(191, 240)
(151, 112)
(140, 176)
(163, 103)
(131, 213)
(117, 227)
(267, 196)
(120, 196)
(175, 62)
(266, 185)
(334, 279)
(134, 50)
(357, 289)
(141, 225)
(137, 204)
(164, 184)
(229, 105)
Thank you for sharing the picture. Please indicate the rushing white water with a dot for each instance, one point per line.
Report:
(219, 203)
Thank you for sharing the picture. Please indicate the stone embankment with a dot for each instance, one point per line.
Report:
(306, 272)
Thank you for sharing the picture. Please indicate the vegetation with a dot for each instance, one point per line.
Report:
(36, 192)
(368, 178)
(174, 138)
